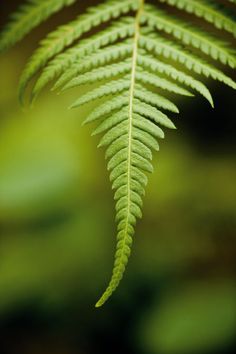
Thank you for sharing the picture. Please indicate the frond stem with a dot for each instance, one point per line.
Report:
(131, 95)
(116, 279)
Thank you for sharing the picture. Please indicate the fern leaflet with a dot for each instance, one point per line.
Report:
(28, 16)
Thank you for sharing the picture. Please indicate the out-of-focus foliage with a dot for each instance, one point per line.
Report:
(27, 17)
(194, 319)
(39, 168)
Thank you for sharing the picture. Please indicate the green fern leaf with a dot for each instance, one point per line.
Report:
(99, 74)
(154, 99)
(169, 49)
(155, 65)
(151, 79)
(208, 10)
(99, 59)
(65, 35)
(111, 88)
(142, 57)
(29, 15)
(210, 46)
(61, 62)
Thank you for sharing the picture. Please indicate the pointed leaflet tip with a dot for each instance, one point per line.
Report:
(208, 96)
(211, 101)
(103, 299)
(73, 105)
(97, 305)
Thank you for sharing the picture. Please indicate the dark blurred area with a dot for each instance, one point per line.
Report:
(57, 228)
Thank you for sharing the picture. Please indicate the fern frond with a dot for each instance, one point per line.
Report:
(154, 99)
(126, 46)
(208, 10)
(154, 80)
(107, 108)
(169, 49)
(187, 35)
(95, 75)
(110, 121)
(62, 61)
(148, 63)
(29, 15)
(65, 35)
(99, 58)
(144, 109)
(110, 88)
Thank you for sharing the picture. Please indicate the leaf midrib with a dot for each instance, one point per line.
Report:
(117, 269)
(131, 103)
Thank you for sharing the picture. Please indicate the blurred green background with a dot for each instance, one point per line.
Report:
(57, 229)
